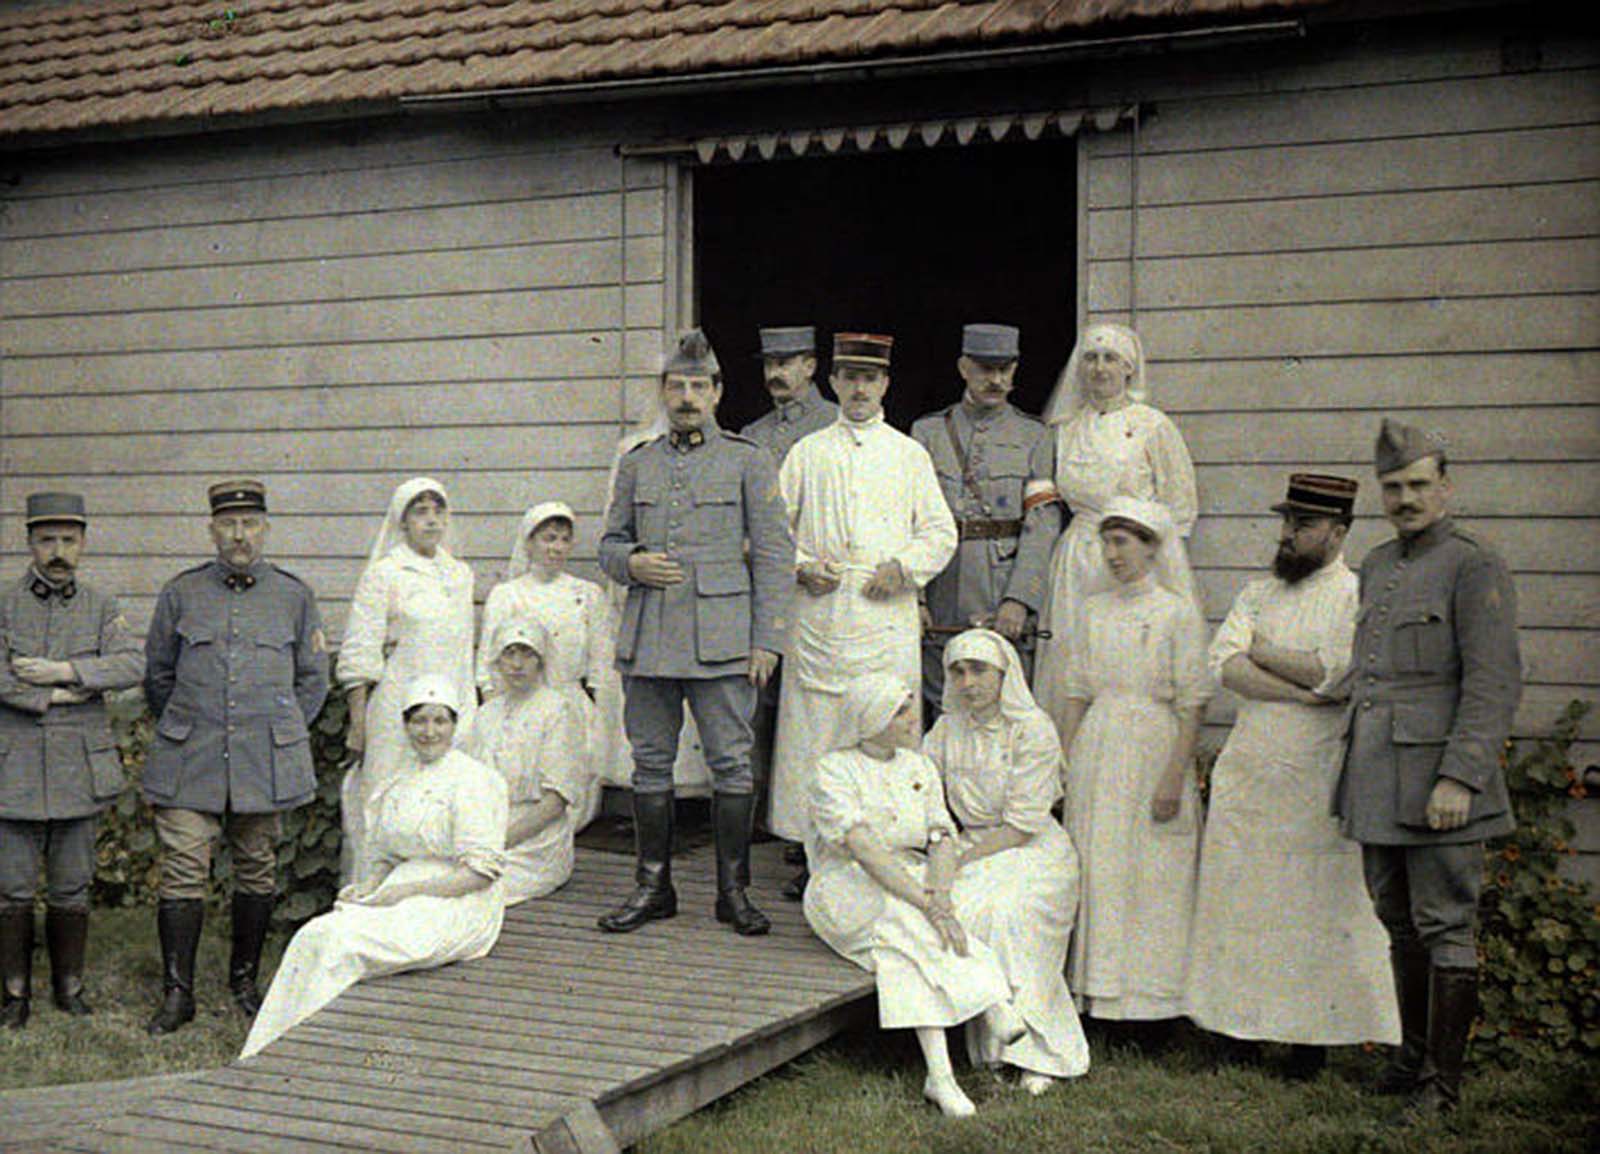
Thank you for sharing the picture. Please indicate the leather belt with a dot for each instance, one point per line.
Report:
(988, 530)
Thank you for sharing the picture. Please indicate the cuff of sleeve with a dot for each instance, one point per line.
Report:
(485, 862)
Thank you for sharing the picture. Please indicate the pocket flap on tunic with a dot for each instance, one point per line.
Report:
(287, 732)
(174, 728)
(196, 633)
(275, 638)
(1422, 722)
(715, 492)
(719, 578)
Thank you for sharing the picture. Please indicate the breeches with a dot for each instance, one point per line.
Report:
(187, 836)
(1428, 894)
(67, 847)
(723, 708)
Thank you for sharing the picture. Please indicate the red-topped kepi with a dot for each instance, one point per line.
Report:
(862, 349)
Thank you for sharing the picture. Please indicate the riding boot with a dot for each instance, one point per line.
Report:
(1451, 1011)
(178, 924)
(1411, 979)
(66, 932)
(731, 817)
(654, 898)
(252, 916)
(16, 965)
(1305, 1062)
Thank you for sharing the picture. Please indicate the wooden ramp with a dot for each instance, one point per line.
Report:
(563, 1039)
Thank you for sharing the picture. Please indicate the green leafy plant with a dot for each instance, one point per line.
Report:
(1540, 941)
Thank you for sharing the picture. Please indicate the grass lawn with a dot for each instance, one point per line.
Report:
(861, 1094)
(124, 987)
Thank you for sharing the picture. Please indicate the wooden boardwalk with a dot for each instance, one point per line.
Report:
(563, 1039)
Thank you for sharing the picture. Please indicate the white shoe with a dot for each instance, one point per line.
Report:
(1005, 1023)
(1035, 1084)
(945, 1093)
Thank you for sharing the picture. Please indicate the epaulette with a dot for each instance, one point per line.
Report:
(200, 568)
(741, 438)
(936, 415)
(1466, 535)
(643, 443)
(1029, 417)
(279, 569)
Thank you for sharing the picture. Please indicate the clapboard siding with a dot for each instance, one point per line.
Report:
(1390, 229)
(332, 317)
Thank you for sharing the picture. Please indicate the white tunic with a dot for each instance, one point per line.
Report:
(920, 983)
(432, 819)
(1021, 902)
(1138, 658)
(858, 495)
(411, 615)
(537, 742)
(1286, 946)
(583, 636)
(1134, 451)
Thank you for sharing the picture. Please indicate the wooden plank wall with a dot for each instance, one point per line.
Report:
(333, 311)
(1327, 235)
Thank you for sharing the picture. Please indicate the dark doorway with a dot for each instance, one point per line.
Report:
(912, 243)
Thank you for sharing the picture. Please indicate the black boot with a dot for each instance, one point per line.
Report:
(731, 814)
(252, 915)
(66, 932)
(795, 888)
(654, 898)
(1305, 1062)
(1411, 969)
(16, 965)
(178, 922)
(1452, 1007)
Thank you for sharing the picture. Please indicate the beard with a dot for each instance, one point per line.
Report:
(1292, 567)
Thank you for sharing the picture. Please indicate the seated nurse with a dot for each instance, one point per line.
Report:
(433, 893)
(882, 867)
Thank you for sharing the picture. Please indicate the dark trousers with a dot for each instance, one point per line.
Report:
(66, 847)
(652, 712)
(1428, 894)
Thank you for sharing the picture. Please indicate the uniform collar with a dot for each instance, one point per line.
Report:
(42, 587)
(239, 580)
(693, 439)
(797, 408)
(978, 416)
(1427, 539)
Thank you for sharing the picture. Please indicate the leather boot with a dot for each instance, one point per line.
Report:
(1453, 1006)
(16, 965)
(178, 922)
(1411, 975)
(654, 898)
(66, 932)
(731, 815)
(1305, 1062)
(252, 915)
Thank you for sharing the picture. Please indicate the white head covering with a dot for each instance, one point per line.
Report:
(1067, 398)
(1171, 568)
(521, 554)
(431, 689)
(870, 703)
(987, 646)
(391, 534)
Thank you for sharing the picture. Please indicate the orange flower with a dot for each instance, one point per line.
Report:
(1511, 853)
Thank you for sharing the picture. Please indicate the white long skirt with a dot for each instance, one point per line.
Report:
(333, 952)
(1021, 903)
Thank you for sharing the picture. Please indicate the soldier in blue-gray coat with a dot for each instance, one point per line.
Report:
(65, 643)
(1434, 681)
(698, 533)
(789, 369)
(236, 671)
(996, 466)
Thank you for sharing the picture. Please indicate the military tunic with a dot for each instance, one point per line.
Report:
(59, 761)
(778, 430)
(1433, 686)
(235, 673)
(1004, 551)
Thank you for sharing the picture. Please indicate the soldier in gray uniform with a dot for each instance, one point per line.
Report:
(65, 643)
(1433, 685)
(236, 671)
(789, 367)
(996, 465)
(698, 534)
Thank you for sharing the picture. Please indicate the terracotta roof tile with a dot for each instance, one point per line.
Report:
(126, 62)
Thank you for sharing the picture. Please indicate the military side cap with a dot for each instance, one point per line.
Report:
(693, 357)
(1319, 495)
(239, 494)
(55, 507)
(1400, 444)
(789, 341)
(991, 344)
(862, 349)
